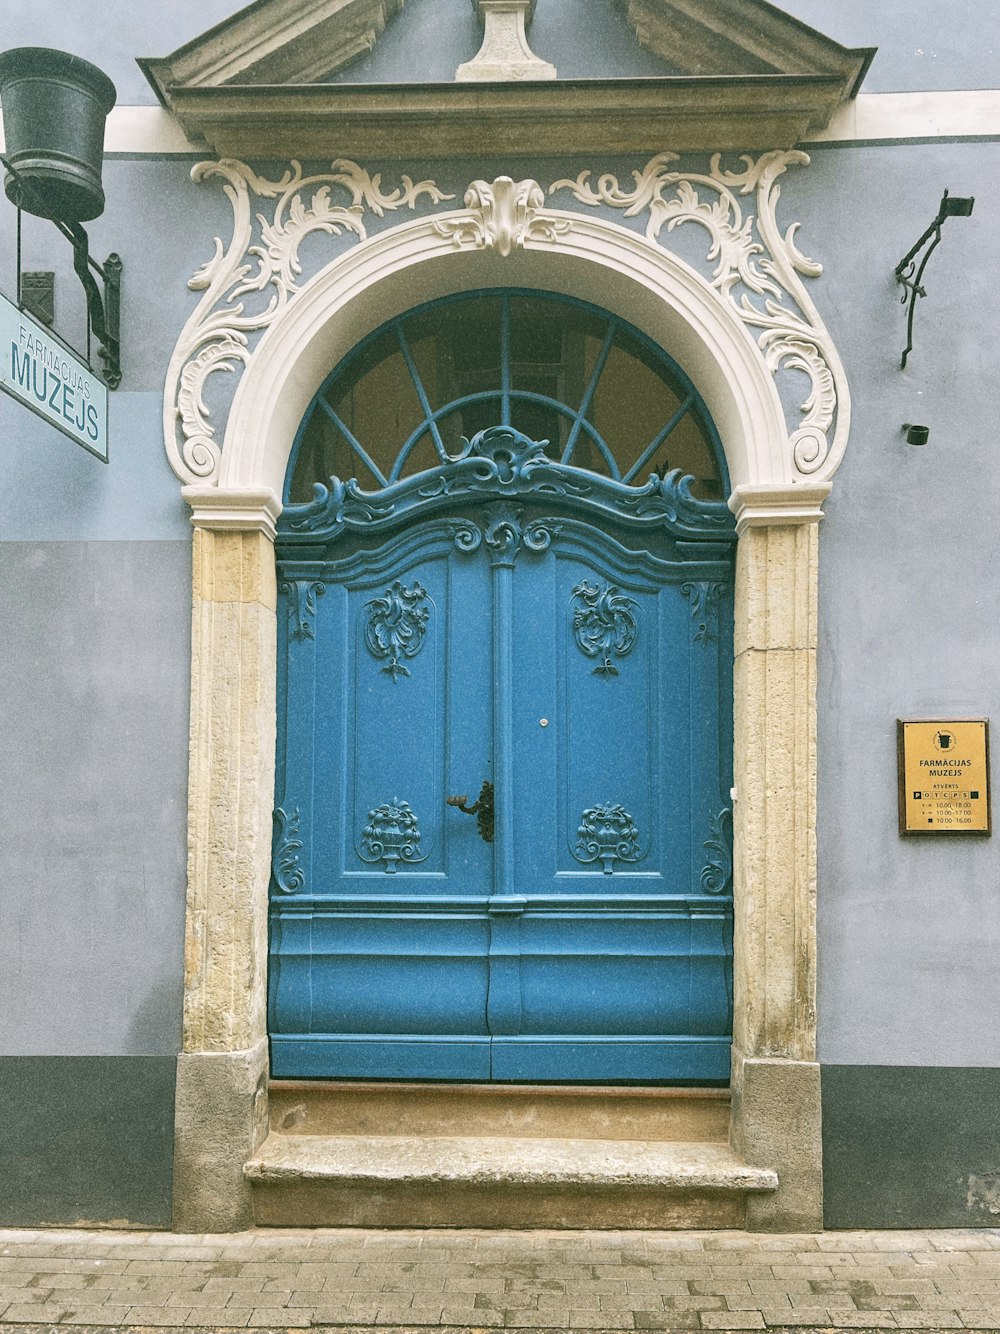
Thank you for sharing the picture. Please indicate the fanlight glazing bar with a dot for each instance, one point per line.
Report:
(487, 338)
(425, 404)
(354, 443)
(588, 396)
(650, 451)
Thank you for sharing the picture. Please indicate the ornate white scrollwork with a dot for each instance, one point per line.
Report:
(250, 280)
(504, 215)
(756, 270)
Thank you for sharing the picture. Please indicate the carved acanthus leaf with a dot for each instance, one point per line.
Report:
(717, 873)
(704, 599)
(757, 270)
(301, 595)
(506, 533)
(249, 281)
(286, 867)
(502, 215)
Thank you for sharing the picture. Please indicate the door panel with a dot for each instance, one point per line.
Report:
(379, 961)
(613, 955)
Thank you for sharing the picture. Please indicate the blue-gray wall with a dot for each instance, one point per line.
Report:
(909, 929)
(95, 616)
(922, 45)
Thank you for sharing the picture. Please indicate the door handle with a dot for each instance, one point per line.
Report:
(483, 808)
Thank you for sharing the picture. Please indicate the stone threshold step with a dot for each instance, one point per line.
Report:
(419, 1110)
(491, 1161)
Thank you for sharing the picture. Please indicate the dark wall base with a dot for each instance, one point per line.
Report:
(86, 1139)
(910, 1147)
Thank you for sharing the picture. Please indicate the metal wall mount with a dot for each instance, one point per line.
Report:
(103, 313)
(910, 276)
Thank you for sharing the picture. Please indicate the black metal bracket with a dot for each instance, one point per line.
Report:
(103, 313)
(910, 276)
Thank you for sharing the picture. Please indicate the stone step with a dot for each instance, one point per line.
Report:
(498, 1181)
(308, 1107)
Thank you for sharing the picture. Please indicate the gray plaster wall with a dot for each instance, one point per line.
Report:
(95, 616)
(115, 34)
(921, 46)
(95, 612)
(93, 740)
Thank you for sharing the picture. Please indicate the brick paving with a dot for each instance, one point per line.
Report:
(280, 1279)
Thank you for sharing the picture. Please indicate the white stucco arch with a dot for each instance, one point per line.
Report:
(588, 258)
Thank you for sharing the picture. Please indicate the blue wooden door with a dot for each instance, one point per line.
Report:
(585, 673)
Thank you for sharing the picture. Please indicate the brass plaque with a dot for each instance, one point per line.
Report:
(944, 776)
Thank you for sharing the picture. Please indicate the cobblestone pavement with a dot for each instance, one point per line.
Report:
(467, 1279)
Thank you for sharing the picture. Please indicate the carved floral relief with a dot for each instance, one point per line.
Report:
(607, 834)
(391, 836)
(396, 625)
(604, 624)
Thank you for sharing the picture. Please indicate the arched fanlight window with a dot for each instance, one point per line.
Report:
(603, 396)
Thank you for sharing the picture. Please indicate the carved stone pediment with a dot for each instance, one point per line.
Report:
(737, 74)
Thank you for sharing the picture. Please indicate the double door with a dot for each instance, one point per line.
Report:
(502, 844)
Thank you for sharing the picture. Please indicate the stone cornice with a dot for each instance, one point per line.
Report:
(546, 117)
(771, 506)
(233, 509)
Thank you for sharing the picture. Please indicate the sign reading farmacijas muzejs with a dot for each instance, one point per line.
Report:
(43, 374)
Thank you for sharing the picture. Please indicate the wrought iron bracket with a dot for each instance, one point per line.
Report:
(910, 276)
(103, 313)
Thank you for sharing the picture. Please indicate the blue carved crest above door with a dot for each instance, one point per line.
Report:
(554, 637)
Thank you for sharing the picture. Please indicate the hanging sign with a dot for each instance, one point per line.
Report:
(944, 776)
(43, 374)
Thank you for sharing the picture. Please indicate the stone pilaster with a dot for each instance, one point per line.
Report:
(776, 1107)
(221, 1083)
